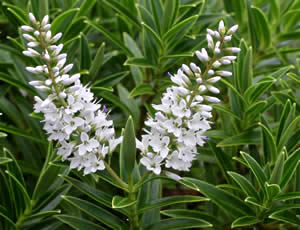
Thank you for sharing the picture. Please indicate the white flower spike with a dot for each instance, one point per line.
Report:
(72, 117)
(182, 118)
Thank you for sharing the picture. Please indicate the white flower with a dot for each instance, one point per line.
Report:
(71, 114)
(182, 118)
(152, 162)
(87, 144)
(72, 123)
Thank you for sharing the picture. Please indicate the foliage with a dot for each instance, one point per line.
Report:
(247, 176)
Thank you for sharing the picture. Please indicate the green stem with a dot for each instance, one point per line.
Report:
(133, 217)
(116, 177)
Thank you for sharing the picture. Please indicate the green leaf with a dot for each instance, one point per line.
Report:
(272, 190)
(256, 170)
(244, 64)
(286, 216)
(244, 138)
(288, 196)
(85, 6)
(255, 110)
(185, 213)
(8, 220)
(224, 200)
(285, 119)
(257, 89)
(78, 223)
(115, 100)
(18, 84)
(85, 57)
(245, 221)
(172, 7)
(254, 36)
(154, 34)
(290, 166)
(97, 62)
(5, 160)
(20, 132)
(222, 108)
(287, 133)
(122, 202)
(124, 11)
(289, 36)
(39, 8)
(109, 36)
(111, 80)
(179, 30)
(96, 212)
(253, 201)
(262, 27)
(22, 189)
(166, 201)
(223, 159)
(142, 89)
(179, 223)
(95, 194)
(277, 171)
(128, 148)
(245, 184)
(139, 61)
(294, 77)
(269, 144)
(282, 71)
(58, 23)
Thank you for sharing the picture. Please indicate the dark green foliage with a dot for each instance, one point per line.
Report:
(246, 177)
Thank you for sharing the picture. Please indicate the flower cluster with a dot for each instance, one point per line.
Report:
(183, 115)
(72, 116)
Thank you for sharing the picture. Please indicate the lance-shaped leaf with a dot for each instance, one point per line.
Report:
(96, 212)
(226, 201)
(78, 223)
(256, 170)
(122, 202)
(171, 200)
(290, 166)
(245, 184)
(179, 223)
(185, 213)
(128, 148)
(245, 221)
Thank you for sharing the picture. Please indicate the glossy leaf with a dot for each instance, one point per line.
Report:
(122, 202)
(179, 223)
(225, 200)
(78, 223)
(128, 148)
(245, 221)
(142, 89)
(256, 170)
(166, 201)
(96, 212)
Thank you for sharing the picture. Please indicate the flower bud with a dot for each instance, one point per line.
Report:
(232, 30)
(222, 29)
(27, 28)
(32, 18)
(212, 99)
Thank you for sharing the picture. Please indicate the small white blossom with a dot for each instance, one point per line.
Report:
(179, 125)
(71, 115)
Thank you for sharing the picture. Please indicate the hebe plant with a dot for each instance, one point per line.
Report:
(187, 159)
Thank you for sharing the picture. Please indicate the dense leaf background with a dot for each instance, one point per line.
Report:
(247, 175)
